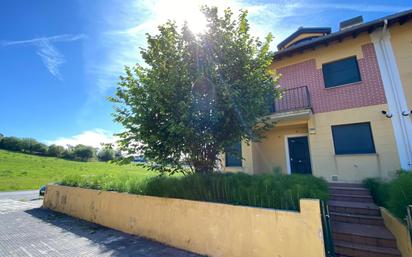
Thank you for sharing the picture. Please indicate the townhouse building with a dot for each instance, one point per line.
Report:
(345, 110)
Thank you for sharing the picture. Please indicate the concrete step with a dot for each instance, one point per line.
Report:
(354, 208)
(356, 185)
(356, 218)
(348, 191)
(364, 234)
(352, 198)
(361, 250)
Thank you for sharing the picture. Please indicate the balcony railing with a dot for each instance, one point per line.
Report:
(293, 99)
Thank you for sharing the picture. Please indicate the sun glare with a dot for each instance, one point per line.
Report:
(182, 11)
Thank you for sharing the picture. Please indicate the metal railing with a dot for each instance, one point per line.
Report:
(292, 99)
(409, 220)
(327, 230)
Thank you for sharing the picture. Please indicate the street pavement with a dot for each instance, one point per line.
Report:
(20, 195)
(26, 229)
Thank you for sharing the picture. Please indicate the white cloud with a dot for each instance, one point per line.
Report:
(48, 53)
(90, 137)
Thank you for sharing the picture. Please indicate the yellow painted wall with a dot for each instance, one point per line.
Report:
(401, 39)
(302, 36)
(205, 228)
(353, 168)
(270, 152)
(400, 232)
(324, 54)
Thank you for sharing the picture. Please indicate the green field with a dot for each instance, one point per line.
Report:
(20, 171)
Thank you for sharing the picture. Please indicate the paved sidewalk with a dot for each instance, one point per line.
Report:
(27, 195)
(26, 230)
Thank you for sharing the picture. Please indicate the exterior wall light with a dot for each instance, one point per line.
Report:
(387, 114)
(406, 113)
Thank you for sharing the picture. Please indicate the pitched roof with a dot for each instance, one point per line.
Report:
(369, 27)
(301, 31)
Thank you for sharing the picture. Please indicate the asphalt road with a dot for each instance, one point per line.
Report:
(21, 195)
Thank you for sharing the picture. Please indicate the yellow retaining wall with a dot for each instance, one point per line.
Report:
(205, 228)
(400, 231)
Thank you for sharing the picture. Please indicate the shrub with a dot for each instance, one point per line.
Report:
(26, 144)
(55, 151)
(265, 190)
(83, 152)
(10, 143)
(39, 148)
(106, 154)
(68, 153)
(395, 195)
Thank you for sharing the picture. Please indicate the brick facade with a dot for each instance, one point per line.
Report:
(367, 92)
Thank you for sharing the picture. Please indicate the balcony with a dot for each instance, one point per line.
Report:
(293, 103)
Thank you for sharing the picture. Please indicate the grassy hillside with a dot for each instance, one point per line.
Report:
(22, 171)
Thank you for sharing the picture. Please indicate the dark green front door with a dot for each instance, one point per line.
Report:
(299, 156)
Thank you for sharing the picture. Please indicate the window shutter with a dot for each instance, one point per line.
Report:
(353, 138)
(341, 72)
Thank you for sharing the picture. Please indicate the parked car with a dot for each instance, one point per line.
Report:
(139, 159)
(42, 190)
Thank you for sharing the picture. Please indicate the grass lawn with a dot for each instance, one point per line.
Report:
(20, 171)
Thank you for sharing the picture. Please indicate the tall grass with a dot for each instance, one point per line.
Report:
(395, 195)
(266, 190)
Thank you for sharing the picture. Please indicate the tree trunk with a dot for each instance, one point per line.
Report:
(205, 162)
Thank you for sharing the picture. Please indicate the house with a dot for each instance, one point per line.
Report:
(345, 113)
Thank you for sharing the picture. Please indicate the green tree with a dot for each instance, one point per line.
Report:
(32, 146)
(83, 152)
(68, 153)
(55, 151)
(197, 94)
(26, 144)
(39, 148)
(106, 154)
(10, 143)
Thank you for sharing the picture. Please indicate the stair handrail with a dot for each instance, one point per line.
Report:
(409, 220)
(327, 231)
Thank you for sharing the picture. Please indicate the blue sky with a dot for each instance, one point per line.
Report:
(59, 60)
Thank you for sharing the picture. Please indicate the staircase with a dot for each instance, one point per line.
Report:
(357, 225)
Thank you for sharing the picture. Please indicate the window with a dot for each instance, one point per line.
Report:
(233, 156)
(353, 138)
(341, 72)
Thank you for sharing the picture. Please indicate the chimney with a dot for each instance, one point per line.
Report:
(351, 23)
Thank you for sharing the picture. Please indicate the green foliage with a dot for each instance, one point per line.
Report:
(106, 154)
(378, 190)
(78, 153)
(266, 190)
(39, 148)
(26, 144)
(32, 146)
(68, 153)
(83, 152)
(10, 143)
(196, 95)
(20, 171)
(55, 151)
(395, 195)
